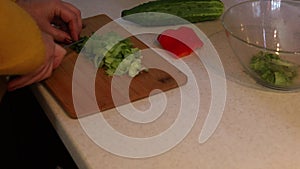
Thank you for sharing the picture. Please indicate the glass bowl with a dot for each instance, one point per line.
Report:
(265, 36)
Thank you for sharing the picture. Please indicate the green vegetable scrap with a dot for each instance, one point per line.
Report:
(115, 54)
(81, 42)
(272, 69)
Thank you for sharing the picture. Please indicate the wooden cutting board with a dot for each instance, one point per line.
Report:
(60, 83)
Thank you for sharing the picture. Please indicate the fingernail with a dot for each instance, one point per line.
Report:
(67, 40)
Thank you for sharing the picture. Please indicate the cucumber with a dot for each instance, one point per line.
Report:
(172, 12)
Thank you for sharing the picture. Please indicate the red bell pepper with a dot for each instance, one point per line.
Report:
(181, 42)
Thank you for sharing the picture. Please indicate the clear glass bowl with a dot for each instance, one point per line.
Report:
(270, 29)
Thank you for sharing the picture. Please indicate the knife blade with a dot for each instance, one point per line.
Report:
(73, 43)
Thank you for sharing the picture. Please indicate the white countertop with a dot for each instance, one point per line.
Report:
(259, 129)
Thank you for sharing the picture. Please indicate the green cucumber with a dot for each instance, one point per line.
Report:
(172, 12)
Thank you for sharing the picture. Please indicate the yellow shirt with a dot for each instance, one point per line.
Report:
(21, 47)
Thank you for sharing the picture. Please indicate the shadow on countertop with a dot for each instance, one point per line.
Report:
(28, 139)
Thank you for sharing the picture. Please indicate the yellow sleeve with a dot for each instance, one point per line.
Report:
(21, 46)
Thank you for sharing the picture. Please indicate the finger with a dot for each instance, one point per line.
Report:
(60, 24)
(56, 34)
(78, 14)
(71, 18)
(59, 35)
(59, 54)
(25, 80)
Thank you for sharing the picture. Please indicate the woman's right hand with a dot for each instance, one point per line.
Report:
(65, 16)
(54, 56)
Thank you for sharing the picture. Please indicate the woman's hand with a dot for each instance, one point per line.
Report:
(54, 56)
(60, 19)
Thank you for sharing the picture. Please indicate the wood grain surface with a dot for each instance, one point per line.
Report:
(109, 91)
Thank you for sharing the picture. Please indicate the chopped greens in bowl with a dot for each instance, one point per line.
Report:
(273, 70)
